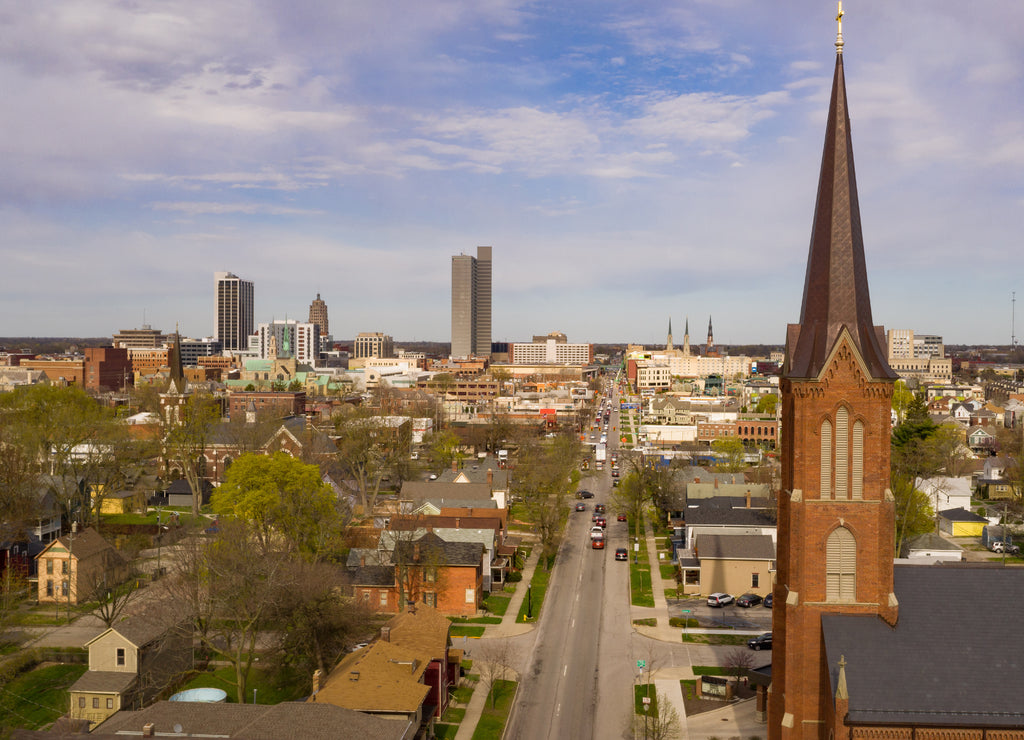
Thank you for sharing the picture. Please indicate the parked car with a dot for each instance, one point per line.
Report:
(1000, 546)
(597, 544)
(621, 553)
(749, 600)
(581, 506)
(596, 532)
(720, 599)
(767, 603)
(761, 642)
(621, 518)
(584, 494)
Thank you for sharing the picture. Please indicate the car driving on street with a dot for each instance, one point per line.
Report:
(761, 642)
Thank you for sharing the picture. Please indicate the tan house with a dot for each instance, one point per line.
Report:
(128, 667)
(736, 564)
(72, 567)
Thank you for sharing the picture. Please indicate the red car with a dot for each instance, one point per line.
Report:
(622, 518)
(597, 544)
(601, 522)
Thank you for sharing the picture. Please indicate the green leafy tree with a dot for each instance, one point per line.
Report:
(443, 448)
(543, 480)
(281, 497)
(767, 404)
(914, 512)
(730, 454)
(902, 399)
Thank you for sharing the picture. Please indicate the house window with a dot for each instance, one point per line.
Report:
(120, 656)
(64, 567)
(110, 703)
(383, 598)
(841, 566)
(470, 595)
(754, 578)
(81, 702)
(49, 588)
(430, 575)
(366, 597)
(64, 588)
(430, 599)
(49, 567)
(95, 702)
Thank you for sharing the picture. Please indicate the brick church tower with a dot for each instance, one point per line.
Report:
(836, 513)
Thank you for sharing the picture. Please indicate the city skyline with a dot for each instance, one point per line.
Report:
(629, 165)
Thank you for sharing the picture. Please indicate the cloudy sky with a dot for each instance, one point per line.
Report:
(628, 162)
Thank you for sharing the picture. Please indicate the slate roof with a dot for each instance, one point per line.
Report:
(918, 672)
(433, 549)
(727, 511)
(735, 547)
(373, 575)
(930, 541)
(836, 295)
(256, 721)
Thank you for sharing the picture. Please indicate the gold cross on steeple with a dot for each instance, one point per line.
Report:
(839, 32)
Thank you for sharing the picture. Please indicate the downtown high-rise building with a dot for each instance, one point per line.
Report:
(318, 315)
(233, 311)
(471, 304)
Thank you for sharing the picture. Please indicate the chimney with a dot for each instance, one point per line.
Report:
(748, 498)
(318, 676)
(455, 466)
(148, 729)
(716, 483)
(416, 553)
(362, 561)
(385, 633)
(490, 477)
(353, 676)
(696, 479)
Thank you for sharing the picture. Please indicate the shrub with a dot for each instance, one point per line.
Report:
(515, 576)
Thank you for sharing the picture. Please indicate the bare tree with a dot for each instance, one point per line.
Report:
(495, 660)
(738, 662)
(187, 437)
(369, 452)
(659, 721)
(113, 598)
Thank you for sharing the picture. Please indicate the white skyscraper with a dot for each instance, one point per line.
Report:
(233, 310)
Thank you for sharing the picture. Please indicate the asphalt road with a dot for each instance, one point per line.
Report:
(576, 684)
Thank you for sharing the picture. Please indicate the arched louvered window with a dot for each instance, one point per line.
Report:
(826, 459)
(842, 453)
(841, 566)
(857, 479)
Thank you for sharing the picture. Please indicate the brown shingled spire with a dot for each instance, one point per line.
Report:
(836, 283)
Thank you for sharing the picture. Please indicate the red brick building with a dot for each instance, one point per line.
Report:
(107, 368)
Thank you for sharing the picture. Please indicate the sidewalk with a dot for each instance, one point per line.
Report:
(508, 628)
(662, 631)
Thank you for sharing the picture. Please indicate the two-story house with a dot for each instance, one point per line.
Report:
(73, 567)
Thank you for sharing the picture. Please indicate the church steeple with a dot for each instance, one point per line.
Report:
(668, 344)
(711, 340)
(686, 338)
(836, 284)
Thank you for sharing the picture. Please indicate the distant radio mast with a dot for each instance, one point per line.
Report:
(1013, 319)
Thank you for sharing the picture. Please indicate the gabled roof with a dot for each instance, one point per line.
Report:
(930, 541)
(84, 545)
(373, 575)
(895, 675)
(139, 630)
(423, 629)
(104, 682)
(836, 283)
(381, 678)
(961, 515)
(434, 490)
(433, 550)
(727, 511)
(735, 547)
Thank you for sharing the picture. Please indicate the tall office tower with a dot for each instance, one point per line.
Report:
(233, 310)
(471, 304)
(318, 315)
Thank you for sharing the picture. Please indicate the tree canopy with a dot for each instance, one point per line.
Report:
(281, 496)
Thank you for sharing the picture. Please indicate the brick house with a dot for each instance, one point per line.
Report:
(72, 567)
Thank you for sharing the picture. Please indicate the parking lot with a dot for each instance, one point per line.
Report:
(731, 616)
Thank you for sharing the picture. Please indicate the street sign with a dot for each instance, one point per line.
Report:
(641, 664)
(686, 611)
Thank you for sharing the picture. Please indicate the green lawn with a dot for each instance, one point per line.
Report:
(443, 731)
(497, 604)
(36, 698)
(641, 593)
(538, 587)
(716, 639)
(467, 630)
(492, 721)
(645, 690)
(668, 570)
(708, 670)
(270, 688)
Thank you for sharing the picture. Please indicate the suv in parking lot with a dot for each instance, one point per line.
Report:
(761, 642)
(720, 599)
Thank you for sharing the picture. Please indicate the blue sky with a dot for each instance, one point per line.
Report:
(628, 162)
